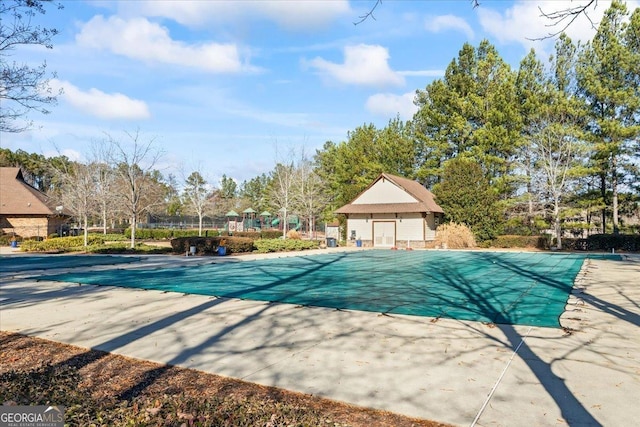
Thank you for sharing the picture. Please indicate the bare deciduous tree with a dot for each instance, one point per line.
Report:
(196, 194)
(310, 195)
(23, 87)
(138, 190)
(560, 19)
(77, 192)
(559, 150)
(563, 18)
(283, 181)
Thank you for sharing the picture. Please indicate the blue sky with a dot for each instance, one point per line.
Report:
(221, 86)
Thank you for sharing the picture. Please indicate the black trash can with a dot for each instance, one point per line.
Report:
(331, 242)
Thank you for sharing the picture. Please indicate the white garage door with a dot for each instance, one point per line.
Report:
(384, 234)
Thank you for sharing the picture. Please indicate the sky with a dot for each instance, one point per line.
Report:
(231, 87)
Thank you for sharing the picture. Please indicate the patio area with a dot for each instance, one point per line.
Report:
(455, 371)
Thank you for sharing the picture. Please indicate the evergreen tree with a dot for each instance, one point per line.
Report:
(608, 78)
(466, 197)
(471, 111)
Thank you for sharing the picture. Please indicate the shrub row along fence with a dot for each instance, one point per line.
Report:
(595, 242)
(168, 233)
(236, 244)
(604, 242)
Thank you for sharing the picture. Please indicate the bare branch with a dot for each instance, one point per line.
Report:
(564, 18)
(368, 14)
(23, 88)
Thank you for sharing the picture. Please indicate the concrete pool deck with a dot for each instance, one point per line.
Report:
(458, 372)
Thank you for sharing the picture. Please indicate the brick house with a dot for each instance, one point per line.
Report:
(24, 210)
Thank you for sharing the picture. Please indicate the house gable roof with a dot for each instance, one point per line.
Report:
(424, 200)
(19, 198)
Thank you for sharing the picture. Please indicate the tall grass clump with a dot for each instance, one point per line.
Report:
(454, 236)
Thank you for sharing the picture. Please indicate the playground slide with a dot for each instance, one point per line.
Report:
(296, 224)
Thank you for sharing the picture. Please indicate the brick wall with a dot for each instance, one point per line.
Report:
(29, 226)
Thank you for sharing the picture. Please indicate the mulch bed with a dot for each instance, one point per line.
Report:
(110, 376)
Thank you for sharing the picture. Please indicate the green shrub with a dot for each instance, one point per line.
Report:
(270, 234)
(249, 234)
(167, 233)
(64, 244)
(237, 245)
(281, 245)
(6, 239)
(605, 242)
(113, 237)
(124, 248)
(209, 245)
(514, 241)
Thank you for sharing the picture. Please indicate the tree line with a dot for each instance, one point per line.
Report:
(118, 183)
(547, 145)
(550, 145)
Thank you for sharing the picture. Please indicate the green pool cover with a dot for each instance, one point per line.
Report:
(513, 288)
(14, 263)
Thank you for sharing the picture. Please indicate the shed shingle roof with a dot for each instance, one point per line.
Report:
(19, 198)
(425, 201)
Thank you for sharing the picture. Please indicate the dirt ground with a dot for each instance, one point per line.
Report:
(109, 375)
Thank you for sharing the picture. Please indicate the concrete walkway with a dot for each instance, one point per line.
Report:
(464, 373)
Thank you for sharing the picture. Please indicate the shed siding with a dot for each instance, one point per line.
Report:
(386, 191)
(430, 227)
(361, 226)
(410, 227)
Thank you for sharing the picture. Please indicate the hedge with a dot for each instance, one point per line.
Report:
(604, 242)
(124, 248)
(167, 233)
(281, 245)
(255, 235)
(235, 244)
(515, 241)
(209, 245)
(62, 243)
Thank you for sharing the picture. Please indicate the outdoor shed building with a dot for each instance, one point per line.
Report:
(24, 210)
(392, 212)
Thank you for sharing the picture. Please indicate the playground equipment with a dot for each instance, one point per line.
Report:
(265, 219)
(293, 223)
(249, 220)
(232, 221)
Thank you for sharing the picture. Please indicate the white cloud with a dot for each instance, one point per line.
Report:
(102, 105)
(438, 24)
(140, 39)
(292, 15)
(388, 105)
(71, 154)
(524, 21)
(422, 73)
(363, 65)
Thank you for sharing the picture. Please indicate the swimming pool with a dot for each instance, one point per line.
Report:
(26, 262)
(500, 287)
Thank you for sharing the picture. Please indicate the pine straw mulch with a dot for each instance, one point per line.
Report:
(105, 376)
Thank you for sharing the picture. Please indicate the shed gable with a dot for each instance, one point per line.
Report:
(384, 191)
